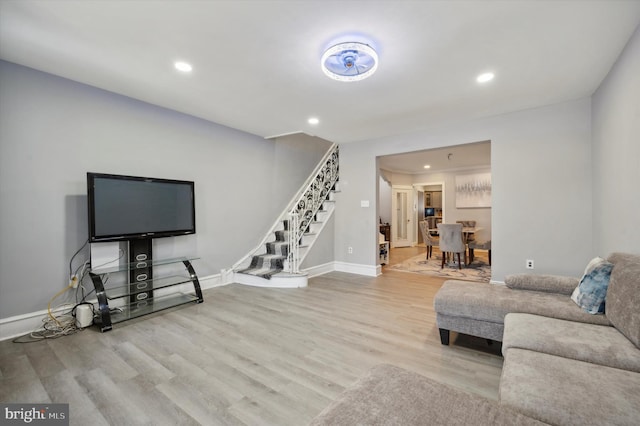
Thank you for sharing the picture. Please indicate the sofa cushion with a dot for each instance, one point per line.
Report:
(541, 282)
(598, 344)
(563, 391)
(389, 395)
(591, 292)
(491, 302)
(474, 327)
(623, 296)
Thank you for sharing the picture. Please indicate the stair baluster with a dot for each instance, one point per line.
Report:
(297, 220)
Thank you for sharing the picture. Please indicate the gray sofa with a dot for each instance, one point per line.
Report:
(562, 366)
(479, 309)
(566, 373)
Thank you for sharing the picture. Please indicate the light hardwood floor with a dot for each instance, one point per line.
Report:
(248, 355)
(400, 254)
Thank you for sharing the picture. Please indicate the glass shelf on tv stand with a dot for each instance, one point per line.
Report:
(121, 302)
(141, 264)
(149, 285)
(137, 309)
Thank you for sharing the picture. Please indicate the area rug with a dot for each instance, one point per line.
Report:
(478, 270)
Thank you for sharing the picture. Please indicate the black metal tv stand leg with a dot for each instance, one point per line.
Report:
(194, 279)
(104, 317)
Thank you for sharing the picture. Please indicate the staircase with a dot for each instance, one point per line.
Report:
(274, 263)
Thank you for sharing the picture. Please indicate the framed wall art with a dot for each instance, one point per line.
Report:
(473, 191)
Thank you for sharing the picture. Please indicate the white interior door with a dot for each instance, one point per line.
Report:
(402, 220)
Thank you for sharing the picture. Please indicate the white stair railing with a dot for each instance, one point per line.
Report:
(316, 192)
(306, 203)
(293, 249)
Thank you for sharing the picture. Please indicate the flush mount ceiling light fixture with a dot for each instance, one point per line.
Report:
(350, 61)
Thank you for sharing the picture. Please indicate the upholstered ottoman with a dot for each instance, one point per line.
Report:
(478, 309)
(390, 395)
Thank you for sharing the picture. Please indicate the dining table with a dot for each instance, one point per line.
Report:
(466, 231)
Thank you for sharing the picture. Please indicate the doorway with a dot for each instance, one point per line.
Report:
(402, 221)
(418, 169)
(430, 207)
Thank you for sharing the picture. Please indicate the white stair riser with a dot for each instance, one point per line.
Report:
(307, 240)
(315, 227)
(287, 281)
(284, 280)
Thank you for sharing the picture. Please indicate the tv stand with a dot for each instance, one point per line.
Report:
(152, 286)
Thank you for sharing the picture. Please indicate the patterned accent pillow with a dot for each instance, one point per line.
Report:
(591, 292)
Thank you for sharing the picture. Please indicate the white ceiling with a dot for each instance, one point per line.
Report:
(449, 159)
(256, 63)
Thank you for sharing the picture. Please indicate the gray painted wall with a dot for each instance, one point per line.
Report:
(482, 216)
(541, 176)
(295, 157)
(616, 155)
(322, 251)
(53, 130)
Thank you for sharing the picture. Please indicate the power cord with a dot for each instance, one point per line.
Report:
(72, 284)
(64, 324)
(52, 327)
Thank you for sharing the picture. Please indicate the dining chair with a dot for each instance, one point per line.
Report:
(451, 241)
(428, 239)
(479, 245)
(468, 224)
(431, 222)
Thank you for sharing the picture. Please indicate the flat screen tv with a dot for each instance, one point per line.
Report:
(130, 207)
(429, 211)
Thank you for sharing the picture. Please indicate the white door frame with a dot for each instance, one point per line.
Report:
(444, 210)
(411, 216)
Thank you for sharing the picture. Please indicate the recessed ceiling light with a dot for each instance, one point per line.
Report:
(313, 120)
(483, 78)
(183, 66)
(426, 166)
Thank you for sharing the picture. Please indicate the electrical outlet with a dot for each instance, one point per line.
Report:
(529, 264)
(350, 250)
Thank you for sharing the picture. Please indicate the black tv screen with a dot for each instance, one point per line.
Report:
(130, 207)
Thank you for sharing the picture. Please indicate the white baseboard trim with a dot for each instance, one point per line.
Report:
(352, 268)
(497, 282)
(20, 325)
(212, 281)
(318, 270)
(355, 268)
